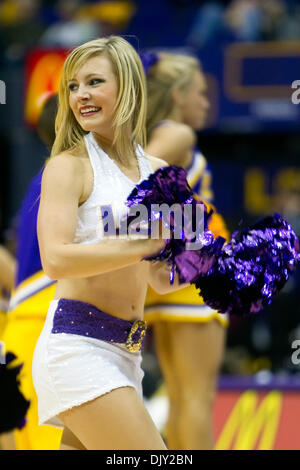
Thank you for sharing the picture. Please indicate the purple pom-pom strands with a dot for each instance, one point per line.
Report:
(168, 188)
(240, 277)
(252, 268)
(167, 185)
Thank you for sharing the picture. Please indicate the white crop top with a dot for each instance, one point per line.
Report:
(111, 188)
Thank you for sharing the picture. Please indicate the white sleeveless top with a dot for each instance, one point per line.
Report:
(111, 188)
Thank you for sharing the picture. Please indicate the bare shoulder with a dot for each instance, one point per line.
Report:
(175, 132)
(155, 162)
(64, 170)
(64, 162)
(173, 142)
(63, 159)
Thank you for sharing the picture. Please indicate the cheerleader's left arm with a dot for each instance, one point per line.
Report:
(159, 278)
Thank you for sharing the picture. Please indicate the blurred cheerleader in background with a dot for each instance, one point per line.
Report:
(31, 294)
(189, 335)
(7, 276)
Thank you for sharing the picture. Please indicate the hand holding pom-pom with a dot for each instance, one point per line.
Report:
(240, 277)
(168, 186)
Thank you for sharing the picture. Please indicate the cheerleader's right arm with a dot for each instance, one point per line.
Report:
(62, 188)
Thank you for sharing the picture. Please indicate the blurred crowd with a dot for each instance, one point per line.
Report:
(61, 23)
(67, 23)
(245, 20)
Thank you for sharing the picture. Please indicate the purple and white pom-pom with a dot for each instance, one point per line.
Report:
(169, 186)
(240, 277)
(252, 268)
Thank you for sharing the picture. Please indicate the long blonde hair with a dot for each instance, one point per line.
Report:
(169, 72)
(130, 112)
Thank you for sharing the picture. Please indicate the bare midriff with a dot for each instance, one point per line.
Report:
(120, 293)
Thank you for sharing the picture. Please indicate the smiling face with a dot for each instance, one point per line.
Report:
(93, 92)
(194, 103)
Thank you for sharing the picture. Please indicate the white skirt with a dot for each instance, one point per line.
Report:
(69, 370)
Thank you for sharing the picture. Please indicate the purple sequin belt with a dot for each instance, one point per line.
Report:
(80, 318)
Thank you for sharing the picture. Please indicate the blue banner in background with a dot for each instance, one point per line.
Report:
(253, 86)
(257, 190)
